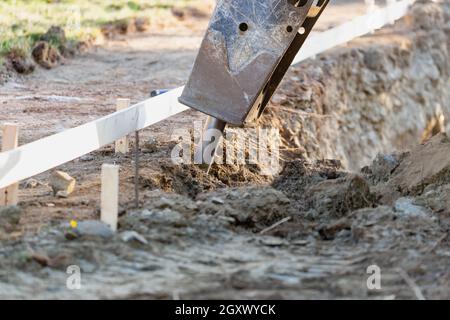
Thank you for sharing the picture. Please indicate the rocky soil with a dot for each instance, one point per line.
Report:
(379, 107)
(217, 245)
(384, 92)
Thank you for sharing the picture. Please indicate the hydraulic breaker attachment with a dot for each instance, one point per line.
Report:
(247, 49)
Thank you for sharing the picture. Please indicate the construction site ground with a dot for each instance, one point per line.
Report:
(365, 177)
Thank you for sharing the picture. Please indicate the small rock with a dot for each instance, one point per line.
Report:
(122, 26)
(62, 183)
(62, 194)
(83, 46)
(383, 166)
(272, 241)
(178, 13)
(87, 158)
(151, 145)
(404, 207)
(300, 242)
(69, 50)
(128, 236)
(50, 204)
(10, 214)
(142, 24)
(330, 231)
(165, 216)
(227, 219)
(90, 229)
(217, 200)
(20, 64)
(375, 59)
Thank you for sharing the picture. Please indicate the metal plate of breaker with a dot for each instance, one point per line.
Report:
(247, 49)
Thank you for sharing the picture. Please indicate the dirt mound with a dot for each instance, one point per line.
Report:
(192, 179)
(48, 52)
(186, 179)
(3, 73)
(125, 26)
(45, 55)
(9, 220)
(339, 197)
(383, 227)
(322, 192)
(212, 241)
(411, 173)
(437, 198)
(425, 165)
(297, 175)
(20, 62)
(250, 207)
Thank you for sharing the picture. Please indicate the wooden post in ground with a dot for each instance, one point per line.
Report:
(9, 195)
(390, 3)
(122, 145)
(110, 195)
(370, 6)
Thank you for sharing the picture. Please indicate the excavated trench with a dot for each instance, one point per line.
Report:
(379, 107)
(385, 92)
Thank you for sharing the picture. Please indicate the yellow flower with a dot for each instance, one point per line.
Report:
(73, 224)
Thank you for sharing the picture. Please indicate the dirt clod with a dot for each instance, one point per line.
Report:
(337, 197)
(10, 214)
(328, 232)
(20, 62)
(46, 55)
(426, 164)
(382, 167)
(250, 207)
(142, 24)
(125, 26)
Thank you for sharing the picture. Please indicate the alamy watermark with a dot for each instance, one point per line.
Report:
(374, 280)
(237, 146)
(73, 281)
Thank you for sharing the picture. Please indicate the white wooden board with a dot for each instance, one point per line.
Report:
(47, 153)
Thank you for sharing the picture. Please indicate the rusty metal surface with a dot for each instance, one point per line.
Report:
(244, 54)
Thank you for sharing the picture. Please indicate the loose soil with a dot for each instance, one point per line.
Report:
(378, 106)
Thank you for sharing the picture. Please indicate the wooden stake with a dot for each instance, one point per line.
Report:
(122, 145)
(110, 195)
(136, 170)
(10, 195)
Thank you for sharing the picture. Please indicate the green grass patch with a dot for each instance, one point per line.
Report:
(23, 22)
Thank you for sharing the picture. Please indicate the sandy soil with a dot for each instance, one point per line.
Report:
(86, 88)
(129, 66)
(195, 225)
